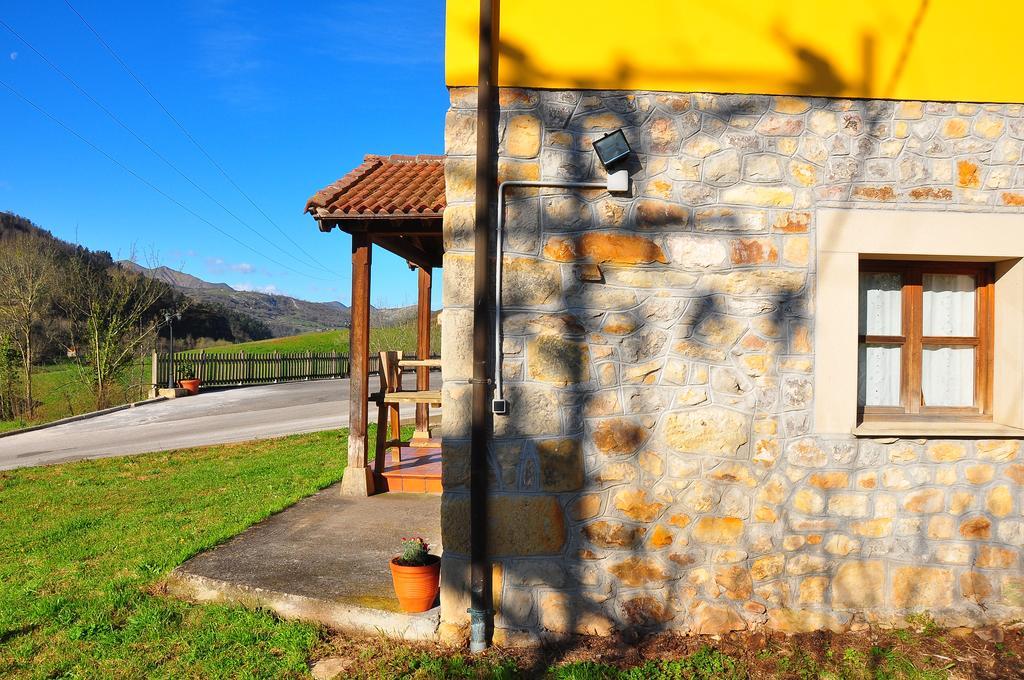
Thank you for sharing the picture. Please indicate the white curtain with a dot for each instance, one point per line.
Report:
(947, 376)
(879, 375)
(948, 305)
(880, 313)
(947, 373)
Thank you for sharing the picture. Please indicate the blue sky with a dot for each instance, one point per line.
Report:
(285, 99)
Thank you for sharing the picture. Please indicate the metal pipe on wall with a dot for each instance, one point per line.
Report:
(498, 405)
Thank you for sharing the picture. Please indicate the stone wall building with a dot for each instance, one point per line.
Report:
(686, 449)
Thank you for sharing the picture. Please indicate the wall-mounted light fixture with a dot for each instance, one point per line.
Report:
(612, 150)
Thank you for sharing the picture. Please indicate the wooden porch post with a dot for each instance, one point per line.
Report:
(358, 479)
(423, 350)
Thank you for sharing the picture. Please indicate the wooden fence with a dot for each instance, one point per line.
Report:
(221, 369)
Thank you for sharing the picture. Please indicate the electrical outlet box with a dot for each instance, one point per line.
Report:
(499, 407)
(618, 182)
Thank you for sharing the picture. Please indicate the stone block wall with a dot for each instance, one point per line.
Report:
(660, 469)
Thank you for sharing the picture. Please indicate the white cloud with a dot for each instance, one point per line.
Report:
(218, 265)
(14, 56)
(269, 288)
(179, 254)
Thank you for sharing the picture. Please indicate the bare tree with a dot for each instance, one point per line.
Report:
(27, 281)
(10, 386)
(112, 315)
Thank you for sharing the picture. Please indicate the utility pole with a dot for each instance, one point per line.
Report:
(169, 318)
(481, 610)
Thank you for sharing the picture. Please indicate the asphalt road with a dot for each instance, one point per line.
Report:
(213, 417)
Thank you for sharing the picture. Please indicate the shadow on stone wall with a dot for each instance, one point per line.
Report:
(601, 434)
(554, 324)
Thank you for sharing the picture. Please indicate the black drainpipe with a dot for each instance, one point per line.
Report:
(481, 613)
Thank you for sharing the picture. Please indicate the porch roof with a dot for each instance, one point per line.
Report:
(398, 201)
(384, 187)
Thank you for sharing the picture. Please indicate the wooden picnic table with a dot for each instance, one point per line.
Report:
(417, 363)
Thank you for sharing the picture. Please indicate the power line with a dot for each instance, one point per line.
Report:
(183, 129)
(148, 146)
(149, 184)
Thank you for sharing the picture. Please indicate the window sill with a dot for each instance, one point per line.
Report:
(935, 429)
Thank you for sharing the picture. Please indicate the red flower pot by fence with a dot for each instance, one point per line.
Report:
(192, 386)
(416, 587)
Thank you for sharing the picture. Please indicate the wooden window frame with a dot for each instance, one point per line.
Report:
(912, 343)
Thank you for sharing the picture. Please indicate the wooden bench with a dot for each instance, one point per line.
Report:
(432, 397)
(388, 400)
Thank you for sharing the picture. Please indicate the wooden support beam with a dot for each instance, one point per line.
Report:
(407, 249)
(423, 351)
(391, 225)
(358, 478)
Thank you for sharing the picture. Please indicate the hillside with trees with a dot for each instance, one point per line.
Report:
(67, 304)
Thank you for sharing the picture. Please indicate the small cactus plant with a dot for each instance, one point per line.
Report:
(415, 552)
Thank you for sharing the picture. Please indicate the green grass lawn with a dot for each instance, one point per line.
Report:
(81, 542)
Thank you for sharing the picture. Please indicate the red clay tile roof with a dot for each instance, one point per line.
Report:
(385, 186)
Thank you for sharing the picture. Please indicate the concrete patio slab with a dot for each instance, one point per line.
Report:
(324, 559)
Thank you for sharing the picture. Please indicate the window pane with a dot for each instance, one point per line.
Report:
(880, 312)
(948, 301)
(878, 375)
(947, 376)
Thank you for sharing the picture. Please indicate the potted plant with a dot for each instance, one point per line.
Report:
(416, 575)
(188, 380)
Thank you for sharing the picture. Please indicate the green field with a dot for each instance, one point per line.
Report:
(402, 337)
(324, 341)
(60, 391)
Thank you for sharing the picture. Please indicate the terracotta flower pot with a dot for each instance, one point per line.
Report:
(416, 587)
(191, 385)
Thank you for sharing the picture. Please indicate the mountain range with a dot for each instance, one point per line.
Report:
(282, 314)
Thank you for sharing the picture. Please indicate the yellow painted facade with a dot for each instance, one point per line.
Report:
(946, 50)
